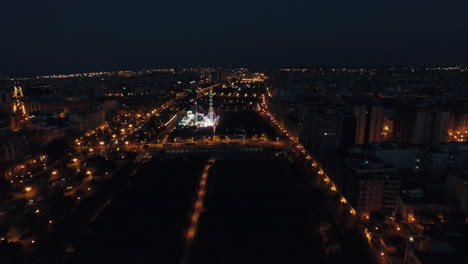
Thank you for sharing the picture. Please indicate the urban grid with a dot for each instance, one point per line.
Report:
(291, 162)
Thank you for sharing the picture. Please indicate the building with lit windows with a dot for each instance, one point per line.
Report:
(371, 185)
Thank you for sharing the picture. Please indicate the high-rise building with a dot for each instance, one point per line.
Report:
(5, 101)
(323, 129)
(420, 124)
(14, 147)
(369, 121)
(370, 185)
(387, 129)
(219, 75)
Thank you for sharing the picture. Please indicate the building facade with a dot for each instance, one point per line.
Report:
(420, 124)
(370, 185)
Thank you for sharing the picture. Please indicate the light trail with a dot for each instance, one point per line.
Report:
(197, 209)
(170, 120)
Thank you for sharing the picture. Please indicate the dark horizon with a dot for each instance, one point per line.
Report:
(56, 37)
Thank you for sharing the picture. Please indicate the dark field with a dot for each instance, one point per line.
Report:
(261, 211)
(145, 223)
(256, 211)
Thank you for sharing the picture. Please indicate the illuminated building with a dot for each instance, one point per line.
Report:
(387, 128)
(19, 119)
(199, 119)
(211, 112)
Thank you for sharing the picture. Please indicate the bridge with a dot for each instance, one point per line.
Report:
(232, 143)
(246, 147)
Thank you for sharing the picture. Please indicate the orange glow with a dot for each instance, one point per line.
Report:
(191, 234)
(198, 205)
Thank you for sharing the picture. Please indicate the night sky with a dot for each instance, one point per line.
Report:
(45, 36)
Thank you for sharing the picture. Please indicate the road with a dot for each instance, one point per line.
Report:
(197, 209)
(210, 144)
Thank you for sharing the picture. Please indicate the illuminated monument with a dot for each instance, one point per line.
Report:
(194, 118)
(19, 119)
(211, 112)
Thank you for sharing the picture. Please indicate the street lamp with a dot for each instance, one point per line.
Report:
(411, 239)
